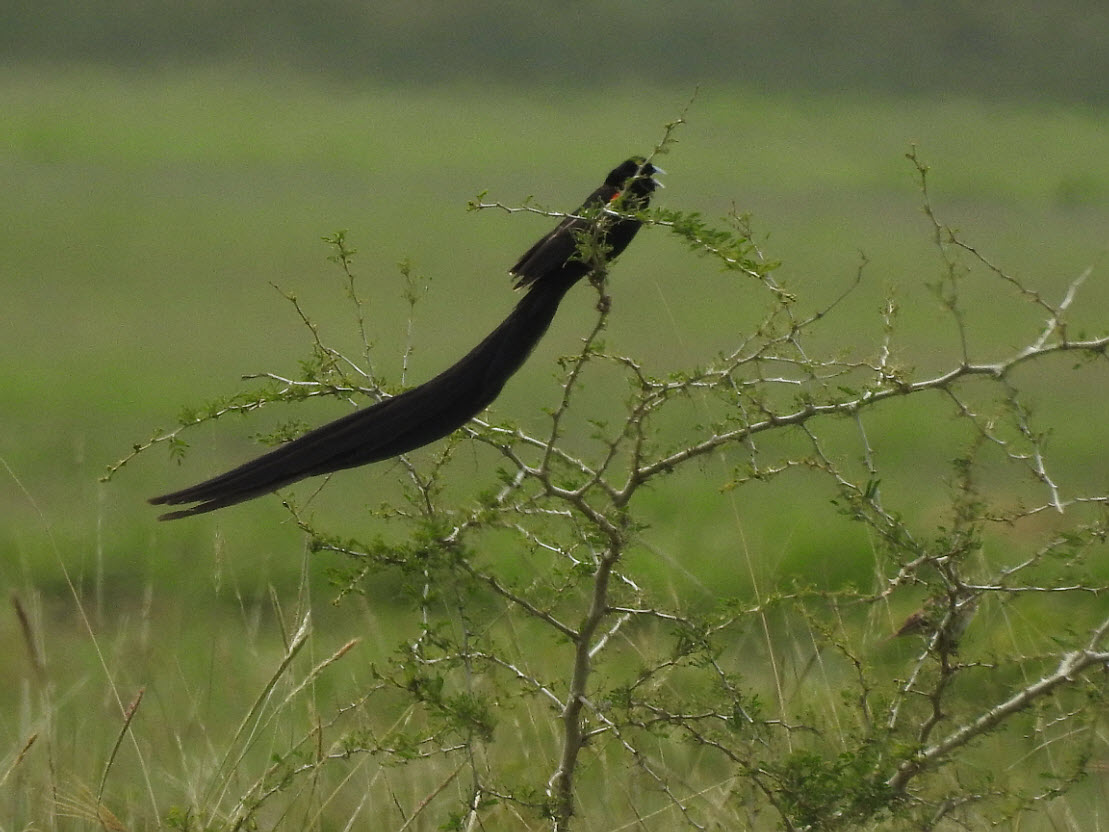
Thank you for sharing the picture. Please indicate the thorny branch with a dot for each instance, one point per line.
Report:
(638, 670)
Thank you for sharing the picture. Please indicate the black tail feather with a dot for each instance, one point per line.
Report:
(396, 425)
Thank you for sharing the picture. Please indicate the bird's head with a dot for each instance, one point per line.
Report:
(635, 176)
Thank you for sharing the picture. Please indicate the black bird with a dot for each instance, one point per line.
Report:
(594, 234)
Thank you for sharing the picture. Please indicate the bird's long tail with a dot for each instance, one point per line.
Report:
(394, 426)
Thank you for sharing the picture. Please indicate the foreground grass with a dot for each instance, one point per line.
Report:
(151, 214)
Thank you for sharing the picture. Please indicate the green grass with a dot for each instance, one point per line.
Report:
(145, 216)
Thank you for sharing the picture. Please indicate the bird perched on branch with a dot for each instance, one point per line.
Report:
(582, 242)
(942, 619)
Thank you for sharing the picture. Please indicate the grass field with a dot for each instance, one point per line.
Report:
(145, 218)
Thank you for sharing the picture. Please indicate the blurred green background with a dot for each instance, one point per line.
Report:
(162, 164)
